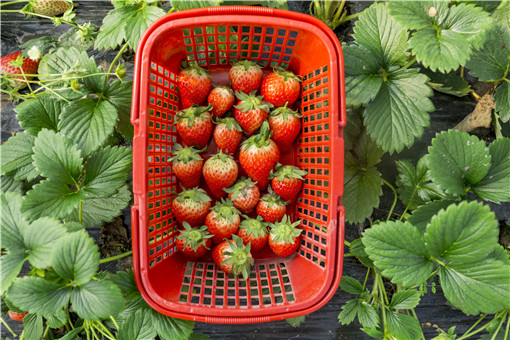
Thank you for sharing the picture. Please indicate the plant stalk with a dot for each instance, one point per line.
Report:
(114, 61)
(352, 16)
(409, 64)
(8, 327)
(409, 204)
(12, 2)
(394, 200)
(113, 258)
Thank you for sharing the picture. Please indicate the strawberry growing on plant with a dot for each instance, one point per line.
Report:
(221, 98)
(253, 231)
(244, 194)
(48, 8)
(220, 171)
(286, 126)
(227, 135)
(233, 257)
(287, 181)
(16, 316)
(195, 126)
(271, 207)
(223, 220)
(280, 87)
(193, 242)
(284, 237)
(194, 85)
(13, 66)
(191, 206)
(251, 111)
(187, 165)
(245, 76)
(259, 155)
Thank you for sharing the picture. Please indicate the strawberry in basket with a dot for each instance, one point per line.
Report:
(251, 111)
(271, 207)
(220, 172)
(227, 135)
(284, 237)
(233, 257)
(287, 181)
(194, 86)
(195, 125)
(253, 231)
(193, 242)
(187, 165)
(286, 126)
(244, 194)
(223, 220)
(191, 206)
(245, 76)
(280, 87)
(221, 99)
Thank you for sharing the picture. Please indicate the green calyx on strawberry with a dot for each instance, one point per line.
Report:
(241, 187)
(247, 64)
(285, 230)
(239, 256)
(254, 226)
(272, 198)
(193, 112)
(194, 236)
(225, 209)
(196, 195)
(284, 112)
(261, 139)
(230, 123)
(195, 69)
(287, 172)
(186, 154)
(252, 102)
(285, 74)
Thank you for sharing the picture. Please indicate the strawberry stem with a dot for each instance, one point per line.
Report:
(12, 2)
(116, 257)
(114, 62)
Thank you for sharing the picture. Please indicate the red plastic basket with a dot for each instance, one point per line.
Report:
(214, 38)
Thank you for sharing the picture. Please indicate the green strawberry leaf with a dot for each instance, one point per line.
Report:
(39, 113)
(386, 39)
(37, 295)
(399, 112)
(12, 262)
(462, 233)
(183, 5)
(499, 253)
(137, 326)
(399, 252)
(50, 198)
(357, 249)
(475, 287)
(57, 158)
(458, 161)
(40, 238)
(423, 214)
(366, 313)
(492, 62)
(171, 328)
(362, 78)
(448, 83)
(502, 98)
(406, 299)
(495, 185)
(106, 171)
(32, 326)
(501, 14)
(13, 225)
(403, 326)
(76, 257)
(127, 284)
(88, 122)
(351, 285)
(16, 157)
(352, 130)
(56, 320)
(9, 184)
(96, 300)
(118, 93)
(296, 321)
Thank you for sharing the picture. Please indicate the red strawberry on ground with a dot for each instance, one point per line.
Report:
(280, 87)
(258, 156)
(221, 98)
(220, 171)
(227, 135)
(193, 242)
(233, 257)
(245, 76)
(187, 165)
(284, 237)
(191, 206)
(195, 125)
(13, 74)
(223, 220)
(287, 181)
(16, 316)
(244, 194)
(271, 207)
(286, 126)
(253, 231)
(251, 111)
(49, 8)
(194, 85)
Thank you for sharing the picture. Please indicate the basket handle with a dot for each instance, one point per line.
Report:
(243, 10)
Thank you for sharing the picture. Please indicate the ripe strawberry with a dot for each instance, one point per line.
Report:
(251, 111)
(49, 8)
(258, 156)
(221, 98)
(227, 135)
(195, 126)
(253, 231)
(244, 194)
(193, 242)
(245, 76)
(286, 181)
(16, 316)
(280, 87)
(286, 126)
(220, 172)
(223, 220)
(233, 257)
(191, 206)
(187, 165)
(271, 207)
(13, 74)
(284, 237)
(194, 85)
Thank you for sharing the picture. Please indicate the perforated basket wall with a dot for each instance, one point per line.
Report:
(214, 38)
